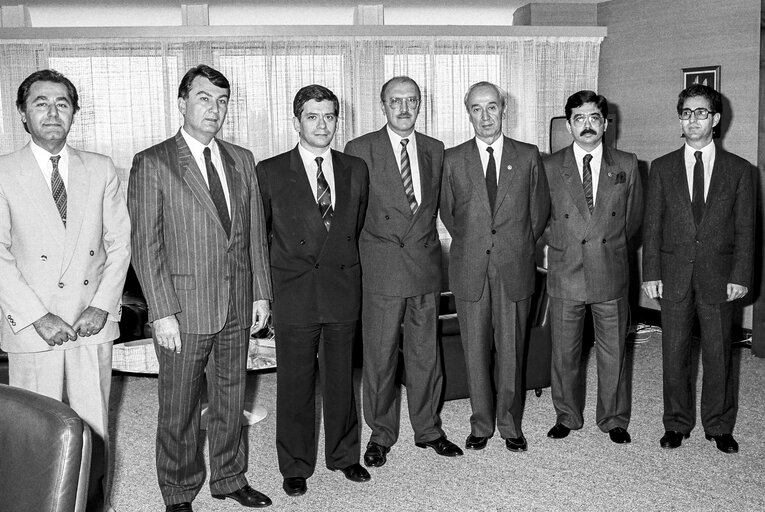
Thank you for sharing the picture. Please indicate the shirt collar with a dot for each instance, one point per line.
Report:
(395, 138)
(706, 152)
(196, 147)
(43, 157)
(496, 145)
(579, 152)
(308, 156)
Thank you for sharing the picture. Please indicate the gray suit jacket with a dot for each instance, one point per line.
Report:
(587, 253)
(400, 251)
(186, 264)
(507, 235)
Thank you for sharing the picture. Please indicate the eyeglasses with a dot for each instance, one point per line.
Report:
(700, 113)
(397, 103)
(594, 119)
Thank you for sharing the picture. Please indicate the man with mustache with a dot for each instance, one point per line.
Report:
(199, 250)
(314, 200)
(596, 207)
(401, 258)
(698, 243)
(495, 203)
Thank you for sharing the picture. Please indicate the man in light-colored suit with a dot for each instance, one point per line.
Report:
(698, 246)
(495, 203)
(597, 206)
(401, 261)
(199, 250)
(64, 254)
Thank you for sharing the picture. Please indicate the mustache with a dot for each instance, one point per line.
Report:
(587, 131)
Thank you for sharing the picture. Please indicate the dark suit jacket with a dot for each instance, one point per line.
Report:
(316, 273)
(509, 233)
(587, 253)
(186, 264)
(720, 250)
(400, 251)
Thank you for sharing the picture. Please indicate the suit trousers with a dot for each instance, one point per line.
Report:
(382, 318)
(84, 376)
(297, 348)
(719, 400)
(180, 461)
(494, 323)
(568, 380)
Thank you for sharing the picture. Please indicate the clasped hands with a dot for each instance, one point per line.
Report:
(167, 331)
(655, 290)
(56, 331)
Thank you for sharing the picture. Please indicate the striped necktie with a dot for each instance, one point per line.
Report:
(406, 176)
(323, 195)
(587, 181)
(58, 189)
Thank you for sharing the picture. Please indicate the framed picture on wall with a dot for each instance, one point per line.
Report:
(706, 75)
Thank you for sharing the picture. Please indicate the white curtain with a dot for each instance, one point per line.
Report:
(128, 88)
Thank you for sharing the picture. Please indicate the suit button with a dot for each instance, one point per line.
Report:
(387, 217)
(402, 245)
(493, 231)
(604, 240)
(316, 266)
(584, 242)
(691, 261)
(302, 242)
(342, 267)
(613, 214)
(92, 253)
(566, 215)
(348, 238)
(60, 285)
(85, 282)
(698, 241)
(426, 245)
(43, 258)
(488, 251)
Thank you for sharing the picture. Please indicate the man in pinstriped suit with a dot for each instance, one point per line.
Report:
(199, 252)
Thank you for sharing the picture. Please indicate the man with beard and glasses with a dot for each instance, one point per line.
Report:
(596, 207)
(697, 259)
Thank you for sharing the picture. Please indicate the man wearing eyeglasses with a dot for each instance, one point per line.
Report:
(495, 203)
(697, 259)
(401, 261)
(596, 207)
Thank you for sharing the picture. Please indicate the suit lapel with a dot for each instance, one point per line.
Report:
(233, 180)
(569, 173)
(39, 194)
(426, 171)
(475, 171)
(78, 191)
(342, 187)
(606, 182)
(718, 182)
(679, 180)
(505, 169)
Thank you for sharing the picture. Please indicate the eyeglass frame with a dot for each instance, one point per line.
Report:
(695, 112)
(397, 103)
(594, 118)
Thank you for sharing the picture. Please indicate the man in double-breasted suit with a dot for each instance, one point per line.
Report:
(596, 207)
(199, 251)
(314, 200)
(698, 237)
(401, 262)
(495, 203)
(64, 254)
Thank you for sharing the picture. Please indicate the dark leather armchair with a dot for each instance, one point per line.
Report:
(44, 454)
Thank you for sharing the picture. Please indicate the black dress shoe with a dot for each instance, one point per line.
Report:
(179, 507)
(559, 431)
(355, 473)
(725, 442)
(294, 486)
(375, 454)
(516, 444)
(247, 497)
(672, 439)
(442, 446)
(476, 442)
(619, 435)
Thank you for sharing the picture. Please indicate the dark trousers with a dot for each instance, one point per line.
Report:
(568, 376)
(494, 323)
(180, 462)
(382, 318)
(719, 401)
(297, 348)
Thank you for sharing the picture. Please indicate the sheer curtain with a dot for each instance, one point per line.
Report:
(128, 87)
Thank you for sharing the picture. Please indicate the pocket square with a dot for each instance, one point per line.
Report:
(620, 177)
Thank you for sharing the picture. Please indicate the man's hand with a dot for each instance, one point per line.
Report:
(736, 291)
(260, 313)
(167, 332)
(91, 321)
(54, 330)
(653, 289)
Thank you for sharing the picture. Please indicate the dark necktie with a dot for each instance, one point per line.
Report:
(697, 199)
(406, 176)
(58, 189)
(216, 192)
(491, 178)
(323, 195)
(587, 180)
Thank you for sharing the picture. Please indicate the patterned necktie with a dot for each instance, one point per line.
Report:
(323, 195)
(216, 192)
(587, 180)
(491, 178)
(58, 189)
(406, 176)
(697, 199)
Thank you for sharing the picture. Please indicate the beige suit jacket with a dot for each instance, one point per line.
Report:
(48, 268)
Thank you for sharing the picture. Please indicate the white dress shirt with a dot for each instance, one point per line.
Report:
(411, 150)
(708, 154)
(597, 159)
(197, 151)
(46, 166)
(311, 168)
(497, 146)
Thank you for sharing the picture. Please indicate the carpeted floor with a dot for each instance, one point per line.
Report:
(582, 472)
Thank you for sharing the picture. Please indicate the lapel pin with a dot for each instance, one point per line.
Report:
(610, 174)
(509, 167)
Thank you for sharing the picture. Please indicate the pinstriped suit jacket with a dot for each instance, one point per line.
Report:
(185, 263)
